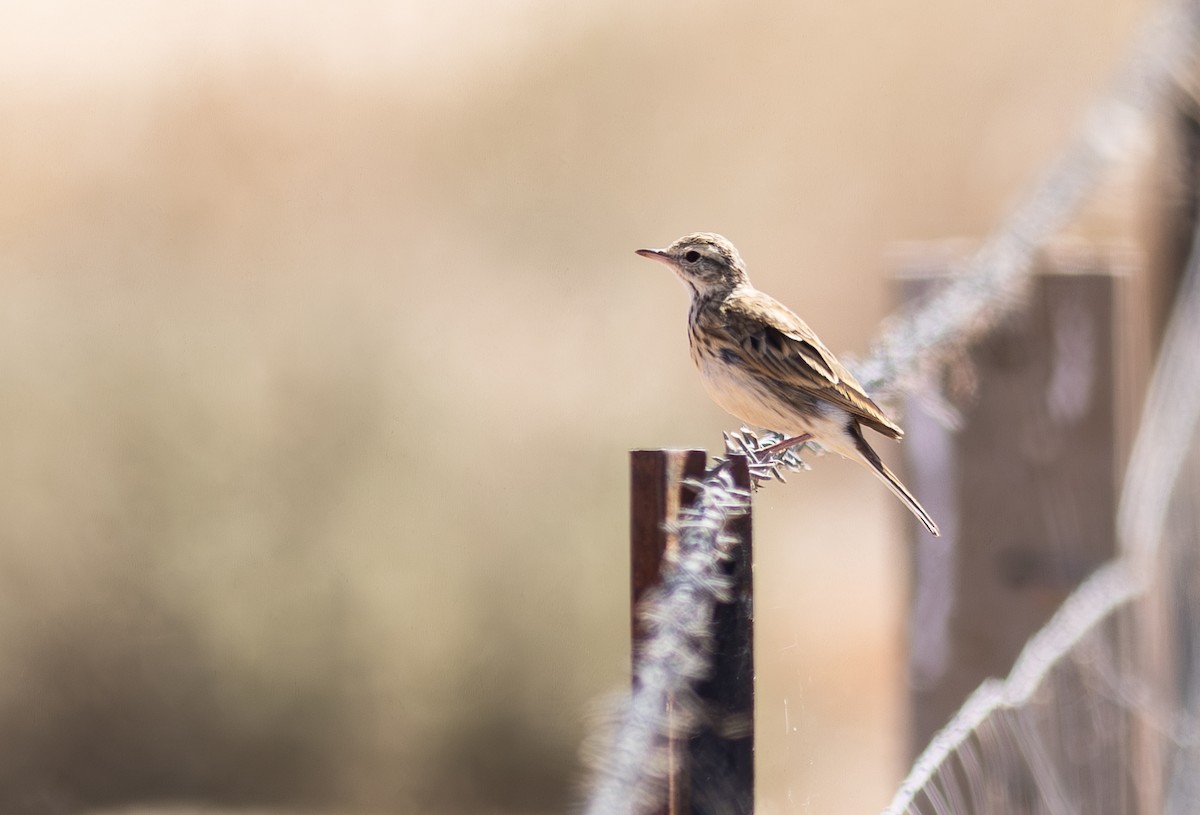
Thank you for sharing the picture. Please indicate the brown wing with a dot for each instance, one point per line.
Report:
(780, 345)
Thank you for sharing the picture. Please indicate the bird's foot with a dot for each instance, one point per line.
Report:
(786, 444)
(768, 456)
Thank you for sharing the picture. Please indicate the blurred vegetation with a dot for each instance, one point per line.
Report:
(316, 381)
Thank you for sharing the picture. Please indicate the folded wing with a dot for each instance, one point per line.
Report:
(781, 346)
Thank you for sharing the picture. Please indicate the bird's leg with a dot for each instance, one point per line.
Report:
(780, 446)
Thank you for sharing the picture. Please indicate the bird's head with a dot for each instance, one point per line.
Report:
(705, 261)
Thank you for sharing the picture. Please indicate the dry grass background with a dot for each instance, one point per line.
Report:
(322, 343)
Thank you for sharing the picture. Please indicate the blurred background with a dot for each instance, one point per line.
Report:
(323, 343)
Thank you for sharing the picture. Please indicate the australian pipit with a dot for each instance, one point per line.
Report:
(763, 364)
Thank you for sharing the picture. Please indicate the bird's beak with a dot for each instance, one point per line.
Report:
(655, 254)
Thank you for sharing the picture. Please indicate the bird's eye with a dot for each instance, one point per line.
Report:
(692, 256)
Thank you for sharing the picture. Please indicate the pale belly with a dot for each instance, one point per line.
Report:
(756, 404)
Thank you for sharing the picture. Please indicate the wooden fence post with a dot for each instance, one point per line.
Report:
(1025, 490)
(712, 768)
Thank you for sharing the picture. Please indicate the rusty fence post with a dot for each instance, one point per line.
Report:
(711, 768)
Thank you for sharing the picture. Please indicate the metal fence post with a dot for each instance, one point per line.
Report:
(711, 766)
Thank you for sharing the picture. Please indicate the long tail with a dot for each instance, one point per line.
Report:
(888, 477)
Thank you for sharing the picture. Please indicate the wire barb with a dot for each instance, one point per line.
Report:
(764, 464)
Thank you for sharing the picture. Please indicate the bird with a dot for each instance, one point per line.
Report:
(762, 363)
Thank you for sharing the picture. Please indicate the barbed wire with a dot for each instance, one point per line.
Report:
(1162, 444)
(675, 653)
(1096, 599)
(912, 347)
(914, 342)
